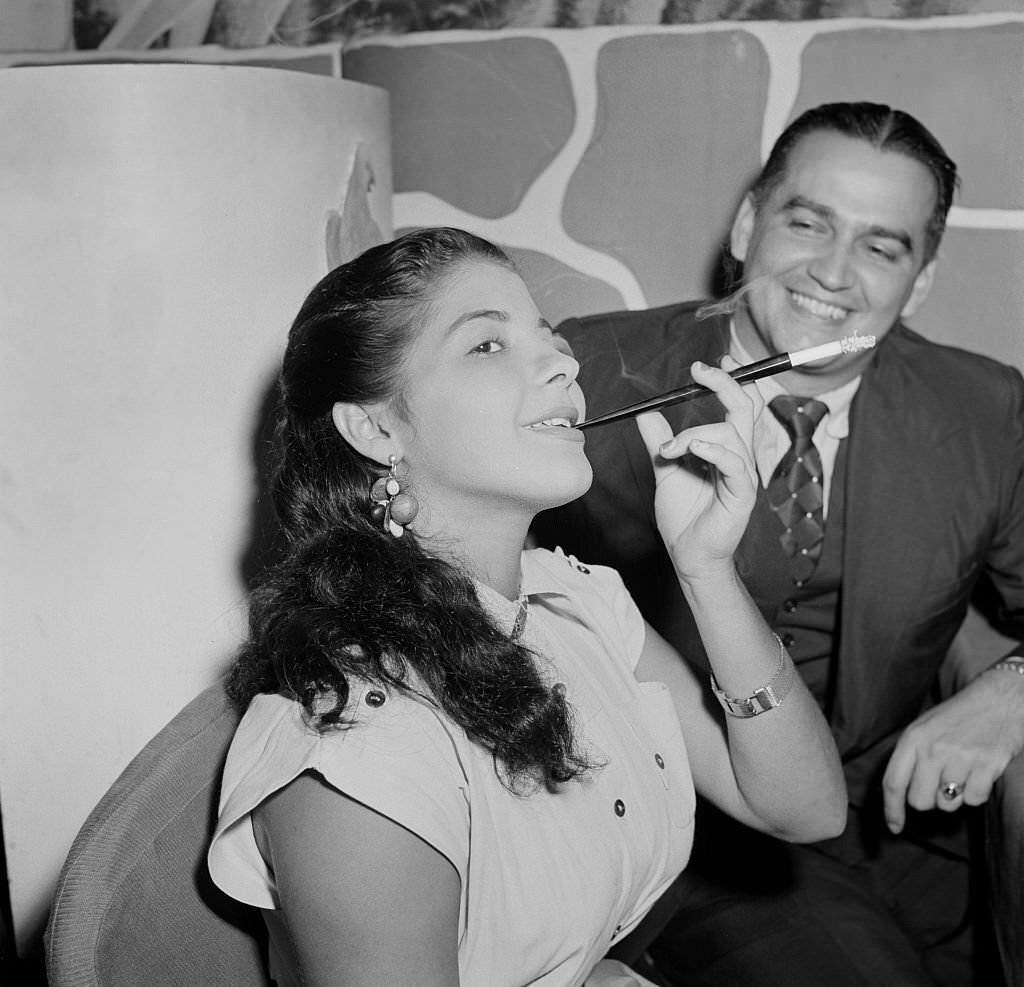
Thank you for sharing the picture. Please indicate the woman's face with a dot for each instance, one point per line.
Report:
(492, 398)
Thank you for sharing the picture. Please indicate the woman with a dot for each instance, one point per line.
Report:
(462, 763)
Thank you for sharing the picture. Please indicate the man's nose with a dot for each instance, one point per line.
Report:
(831, 267)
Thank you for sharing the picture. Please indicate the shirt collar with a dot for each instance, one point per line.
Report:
(839, 399)
(540, 577)
(508, 615)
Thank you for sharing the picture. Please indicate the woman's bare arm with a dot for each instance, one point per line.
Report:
(777, 772)
(367, 902)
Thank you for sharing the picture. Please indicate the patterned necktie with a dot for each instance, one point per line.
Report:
(795, 491)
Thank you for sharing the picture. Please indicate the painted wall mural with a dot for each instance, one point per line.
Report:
(614, 185)
(244, 23)
(609, 158)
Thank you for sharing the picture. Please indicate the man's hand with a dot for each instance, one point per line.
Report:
(954, 753)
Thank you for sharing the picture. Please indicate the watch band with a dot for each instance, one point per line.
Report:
(1011, 663)
(767, 697)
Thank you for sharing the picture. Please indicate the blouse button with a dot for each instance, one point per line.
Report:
(375, 698)
(788, 640)
(660, 761)
(620, 808)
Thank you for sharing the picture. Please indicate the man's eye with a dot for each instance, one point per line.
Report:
(489, 346)
(882, 253)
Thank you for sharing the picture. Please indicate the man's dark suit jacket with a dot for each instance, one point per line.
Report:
(934, 501)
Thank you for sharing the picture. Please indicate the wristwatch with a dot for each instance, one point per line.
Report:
(767, 697)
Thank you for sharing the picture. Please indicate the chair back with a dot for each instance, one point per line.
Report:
(134, 902)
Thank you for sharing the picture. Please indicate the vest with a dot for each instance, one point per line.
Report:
(805, 617)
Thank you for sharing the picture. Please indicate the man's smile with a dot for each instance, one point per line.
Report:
(819, 309)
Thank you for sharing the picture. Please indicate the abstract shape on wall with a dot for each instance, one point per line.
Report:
(559, 290)
(968, 105)
(658, 170)
(518, 85)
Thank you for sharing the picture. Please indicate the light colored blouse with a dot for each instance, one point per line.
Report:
(549, 881)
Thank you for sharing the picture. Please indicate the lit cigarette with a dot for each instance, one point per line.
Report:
(752, 371)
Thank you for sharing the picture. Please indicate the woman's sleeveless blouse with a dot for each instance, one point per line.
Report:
(549, 881)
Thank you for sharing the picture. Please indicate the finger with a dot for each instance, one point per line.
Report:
(732, 470)
(656, 434)
(978, 787)
(663, 445)
(949, 795)
(738, 404)
(725, 434)
(751, 389)
(923, 790)
(715, 445)
(654, 430)
(730, 392)
(974, 783)
(714, 433)
(894, 788)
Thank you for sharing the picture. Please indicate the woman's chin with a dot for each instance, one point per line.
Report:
(565, 489)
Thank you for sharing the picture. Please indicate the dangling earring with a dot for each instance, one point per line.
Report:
(392, 508)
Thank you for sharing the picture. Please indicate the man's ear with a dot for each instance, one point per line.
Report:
(368, 428)
(742, 229)
(922, 286)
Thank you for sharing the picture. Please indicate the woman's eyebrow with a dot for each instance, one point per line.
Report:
(494, 314)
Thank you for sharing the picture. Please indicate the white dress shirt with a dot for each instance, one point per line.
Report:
(771, 440)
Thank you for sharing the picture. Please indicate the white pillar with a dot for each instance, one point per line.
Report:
(159, 227)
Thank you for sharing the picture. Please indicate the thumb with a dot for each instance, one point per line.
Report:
(655, 431)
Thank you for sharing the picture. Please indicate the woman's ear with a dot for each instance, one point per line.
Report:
(368, 429)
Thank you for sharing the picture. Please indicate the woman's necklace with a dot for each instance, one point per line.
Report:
(519, 624)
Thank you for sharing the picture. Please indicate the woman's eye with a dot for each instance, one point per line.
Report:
(489, 346)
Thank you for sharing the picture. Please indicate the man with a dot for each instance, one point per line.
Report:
(891, 500)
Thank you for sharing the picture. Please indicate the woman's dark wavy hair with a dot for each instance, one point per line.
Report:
(350, 601)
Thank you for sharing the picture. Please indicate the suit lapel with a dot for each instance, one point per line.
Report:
(686, 341)
(894, 508)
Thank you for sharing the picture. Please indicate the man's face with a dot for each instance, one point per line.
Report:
(836, 249)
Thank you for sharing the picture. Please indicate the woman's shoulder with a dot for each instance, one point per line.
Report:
(396, 755)
(564, 569)
(385, 730)
(546, 571)
(594, 594)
